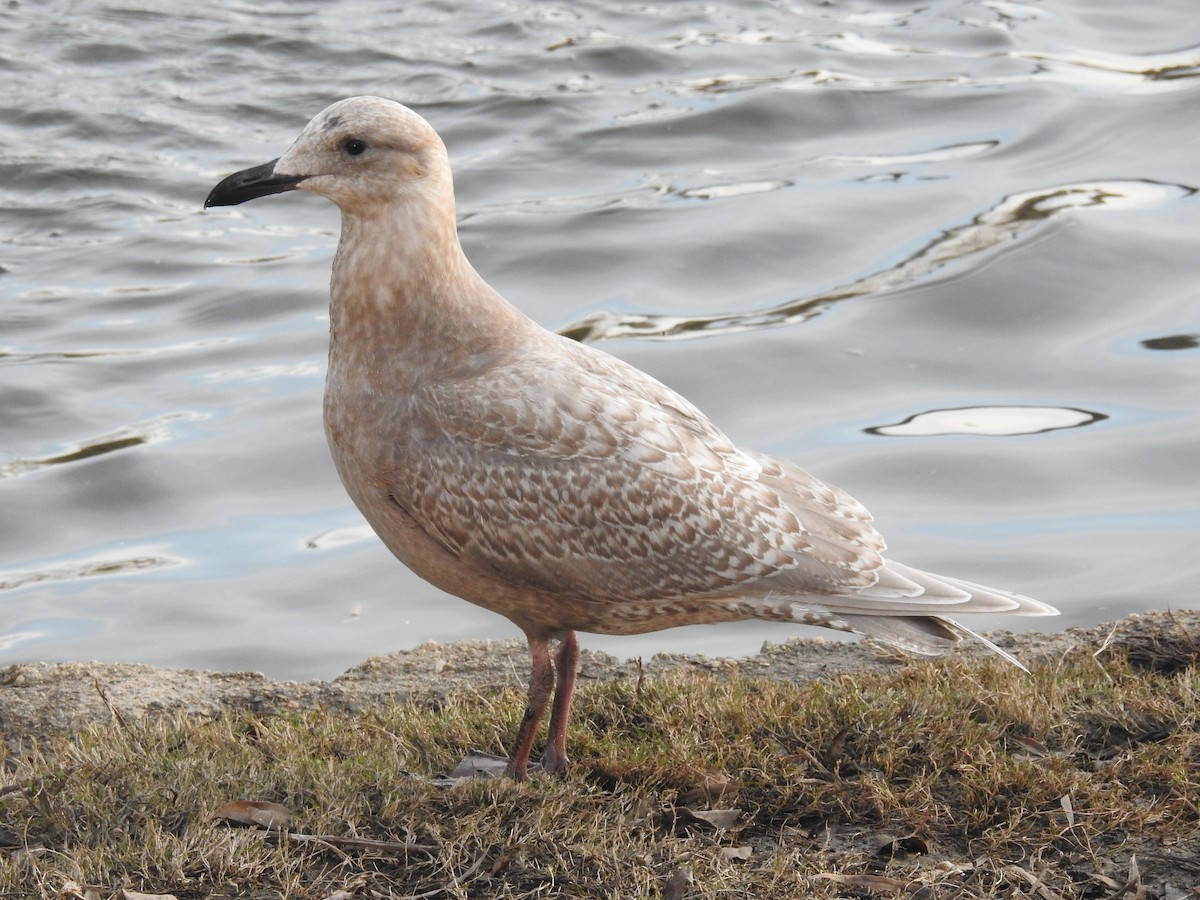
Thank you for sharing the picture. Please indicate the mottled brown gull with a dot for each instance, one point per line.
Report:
(542, 478)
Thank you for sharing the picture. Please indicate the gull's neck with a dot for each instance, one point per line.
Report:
(405, 302)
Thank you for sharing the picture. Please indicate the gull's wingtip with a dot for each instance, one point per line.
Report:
(1003, 654)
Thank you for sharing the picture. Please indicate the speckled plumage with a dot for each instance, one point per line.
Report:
(545, 479)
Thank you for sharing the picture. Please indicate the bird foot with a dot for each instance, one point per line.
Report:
(553, 762)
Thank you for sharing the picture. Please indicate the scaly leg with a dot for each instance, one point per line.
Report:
(566, 665)
(541, 684)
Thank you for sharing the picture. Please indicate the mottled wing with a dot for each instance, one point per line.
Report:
(575, 473)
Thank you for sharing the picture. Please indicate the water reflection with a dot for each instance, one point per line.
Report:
(1135, 73)
(936, 155)
(989, 420)
(147, 432)
(75, 570)
(1015, 217)
(336, 537)
(1173, 342)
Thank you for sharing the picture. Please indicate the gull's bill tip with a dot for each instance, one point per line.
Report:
(259, 181)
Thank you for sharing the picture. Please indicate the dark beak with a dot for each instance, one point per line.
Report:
(250, 183)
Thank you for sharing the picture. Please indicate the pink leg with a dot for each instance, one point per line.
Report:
(566, 665)
(541, 684)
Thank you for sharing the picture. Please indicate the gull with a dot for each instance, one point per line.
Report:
(544, 479)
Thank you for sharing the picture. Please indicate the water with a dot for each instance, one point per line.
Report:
(941, 255)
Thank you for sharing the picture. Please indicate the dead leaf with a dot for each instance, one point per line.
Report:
(351, 843)
(729, 854)
(908, 843)
(946, 867)
(720, 819)
(1065, 802)
(713, 789)
(877, 883)
(255, 813)
(1133, 886)
(836, 748)
(677, 884)
(125, 894)
(502, 862)
(1035, 883)
(73, 890)
(476, 764)
(1034, 748)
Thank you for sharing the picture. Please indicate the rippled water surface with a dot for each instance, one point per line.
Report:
(943, 255)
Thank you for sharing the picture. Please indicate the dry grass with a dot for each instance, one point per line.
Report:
(950, 779)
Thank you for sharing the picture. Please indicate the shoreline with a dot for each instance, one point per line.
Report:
(38, 698)
(805, 770)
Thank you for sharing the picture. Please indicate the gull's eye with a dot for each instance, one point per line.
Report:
(354, 146)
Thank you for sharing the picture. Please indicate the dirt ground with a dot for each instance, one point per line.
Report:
(40, 697)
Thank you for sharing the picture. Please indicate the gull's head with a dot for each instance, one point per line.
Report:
(362, 153)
